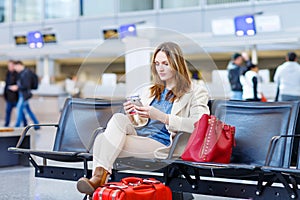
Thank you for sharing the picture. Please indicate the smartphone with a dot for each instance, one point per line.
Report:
(136, 101)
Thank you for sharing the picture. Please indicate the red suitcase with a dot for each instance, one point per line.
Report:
(133, 188)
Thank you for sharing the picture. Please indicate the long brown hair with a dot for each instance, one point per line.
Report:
(177, 63)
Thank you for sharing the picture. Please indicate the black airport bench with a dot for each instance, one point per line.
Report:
(261, 160)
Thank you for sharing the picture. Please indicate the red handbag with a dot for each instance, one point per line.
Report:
(133, 188)
(211, 141)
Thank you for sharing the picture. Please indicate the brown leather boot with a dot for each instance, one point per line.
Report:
(88, 186)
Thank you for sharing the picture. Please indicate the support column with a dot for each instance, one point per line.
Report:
(45, 69)
(254, 55)
(137, 63)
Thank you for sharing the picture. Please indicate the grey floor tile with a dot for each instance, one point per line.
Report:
(19, 183)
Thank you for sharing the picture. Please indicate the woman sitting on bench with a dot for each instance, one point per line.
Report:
(172, 104)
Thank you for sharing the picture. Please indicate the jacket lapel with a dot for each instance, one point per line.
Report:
(146, 100)
(181, 103)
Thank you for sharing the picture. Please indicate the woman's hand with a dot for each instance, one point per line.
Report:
(143, 111)
(153, 113)
(128, 107)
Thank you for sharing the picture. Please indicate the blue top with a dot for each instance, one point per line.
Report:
(156, 129)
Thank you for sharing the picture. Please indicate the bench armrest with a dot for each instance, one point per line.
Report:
(176, 139)
(93, 136)
(26, 129)
(272, 146)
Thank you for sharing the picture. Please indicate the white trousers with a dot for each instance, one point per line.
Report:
(121, 140)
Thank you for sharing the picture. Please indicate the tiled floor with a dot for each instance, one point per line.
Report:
(19, 183)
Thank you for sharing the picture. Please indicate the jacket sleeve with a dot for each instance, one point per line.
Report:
(192, 112)
(24, 81)
(277, 75)
(231, 76)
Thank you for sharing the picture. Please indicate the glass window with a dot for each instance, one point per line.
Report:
(61, 9)
(96, 7)
(27, 10)
(213, 2)
(179, 3)
(135, 5)
(4, 11)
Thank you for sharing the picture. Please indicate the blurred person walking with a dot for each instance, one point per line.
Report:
(11, 97)
(236, 68)
(23, 87)
(287, 77)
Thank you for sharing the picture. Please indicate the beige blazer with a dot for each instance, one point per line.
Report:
(185, 112)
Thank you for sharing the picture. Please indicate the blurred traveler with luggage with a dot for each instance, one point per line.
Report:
(172, 104)
(251, 83)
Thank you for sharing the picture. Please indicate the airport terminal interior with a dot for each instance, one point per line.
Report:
(82, 51)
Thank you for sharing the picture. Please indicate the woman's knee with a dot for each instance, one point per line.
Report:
(120, 123)
(119, 120)
(118, 116)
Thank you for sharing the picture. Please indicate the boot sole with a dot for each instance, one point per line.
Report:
(84, 187)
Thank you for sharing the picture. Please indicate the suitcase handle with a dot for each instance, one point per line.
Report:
(143, 187)
(132, 180)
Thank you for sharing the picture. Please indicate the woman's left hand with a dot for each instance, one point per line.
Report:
(152, 113)
(143, 111)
